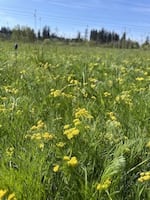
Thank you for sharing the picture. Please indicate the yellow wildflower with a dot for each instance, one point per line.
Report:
(40, 124)
(93, 85)
(124, 97)
(148, 144)
(33, 128)
(104, 186)
(93, 80)
(56, 168)
(107, 94)
(56, 93)
(2, 193)
(11, 197)
(10, 151)
(139, 79)
(47, 136)
(23, 72)
(41, 146)
(144, 176)
(60, 144)
(70, 133)
(46, 65)
(66, 126)
(66, 158)
(145, 73)
(75, 82)
(76, 122)
(2, 108)
(82, 112)
(93, 97)
(113, 123)
(73, 162)
(112, 116)
(36, 136)
(120, 80)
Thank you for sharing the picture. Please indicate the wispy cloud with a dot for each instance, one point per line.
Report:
(76, 4)
(40, 1)
(6, 19)
(9, 20)
(141, 9)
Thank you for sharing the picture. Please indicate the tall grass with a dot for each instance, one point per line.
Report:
(74, 123)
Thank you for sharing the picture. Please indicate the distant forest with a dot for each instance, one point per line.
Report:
(94, 37)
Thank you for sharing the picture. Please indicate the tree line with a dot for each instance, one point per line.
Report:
(93, 37)
(26, 34)
(102, 36)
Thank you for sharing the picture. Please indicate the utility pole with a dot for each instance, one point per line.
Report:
(35, 16)
(40, 23)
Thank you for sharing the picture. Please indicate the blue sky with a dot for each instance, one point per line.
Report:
(67, 17)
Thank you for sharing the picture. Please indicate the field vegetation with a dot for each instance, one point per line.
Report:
(74, 123)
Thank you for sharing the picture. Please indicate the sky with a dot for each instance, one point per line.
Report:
(68, 17)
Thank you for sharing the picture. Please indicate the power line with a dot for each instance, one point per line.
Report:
(60, 18)
(35, 19)
(95, 21)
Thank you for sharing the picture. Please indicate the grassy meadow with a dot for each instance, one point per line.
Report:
(74, 123)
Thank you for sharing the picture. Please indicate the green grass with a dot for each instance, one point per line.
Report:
(43, 88)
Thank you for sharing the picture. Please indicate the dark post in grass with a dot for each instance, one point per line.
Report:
(16, 48)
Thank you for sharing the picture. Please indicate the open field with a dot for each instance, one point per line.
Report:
(74, 123)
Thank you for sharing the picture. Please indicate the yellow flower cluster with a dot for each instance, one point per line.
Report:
(40, 125)
(139, 79)
(46, 136)
(93, 82)
(71, 161)
(40, 136)
(82, 112)
(60, 144)
(104, 186)
(112, 116)
(107, 94)
(10, 151)
(3, 108)
(76, 122)
(144, 176)
(71, 132)
(120, 80)
(74, 82)
(124, 97)
(58, 93)
(3, 194)
(9, 89)
(113, 124)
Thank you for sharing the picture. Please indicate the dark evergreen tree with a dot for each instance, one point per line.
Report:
(5, 32)
(103, 37)
(25, 34)
(46, 32)
(39, 34)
